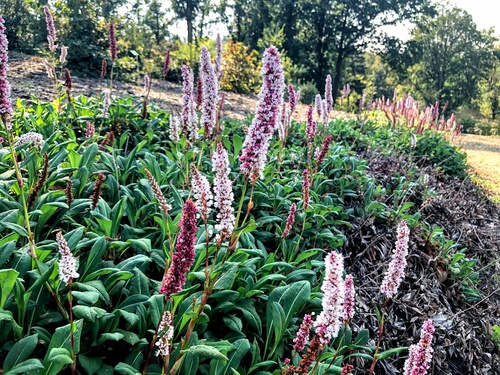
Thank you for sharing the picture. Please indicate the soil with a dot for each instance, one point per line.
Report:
(462, 342)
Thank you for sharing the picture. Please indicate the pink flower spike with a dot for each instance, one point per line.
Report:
(306, 186)
(209, 82)
(166, 65)
(218, 58)
(147, 82)
(318, 104)
(187, 117)
(255, 147)
(64, 53)
(201, 192)
(5, 100)
(349, 298)
(347, 369)
(420, 356)
(290, 220)
(324, 151)
(311, 125)
(174, 127)
(224, 196)
(199, 93)
(165, 339)
(328, 93)
(396, 271)
(89, 133)
(51, 30)
(30, 137)
(106, 102)
(292, 98)
(67, 264)
(183, 257)
(112, 42)
(328, 322)
(303, 334)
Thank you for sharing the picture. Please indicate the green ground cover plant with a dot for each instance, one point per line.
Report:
(115, 258)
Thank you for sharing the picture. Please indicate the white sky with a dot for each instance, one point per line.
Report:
(486, 13)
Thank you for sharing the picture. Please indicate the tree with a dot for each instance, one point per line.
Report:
(85, 38)
(250, 20)
(490, 90)
(155, 20)
(20, 23)
(320, 35)
(193, 12)
(449, 57)
(346, 27)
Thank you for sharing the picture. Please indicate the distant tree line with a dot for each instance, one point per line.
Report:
(446, 59)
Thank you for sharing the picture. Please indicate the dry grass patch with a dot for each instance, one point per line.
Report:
(483, 155)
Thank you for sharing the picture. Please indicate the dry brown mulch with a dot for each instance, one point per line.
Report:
(462, 342)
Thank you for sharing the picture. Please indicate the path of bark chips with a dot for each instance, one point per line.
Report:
(462, 341)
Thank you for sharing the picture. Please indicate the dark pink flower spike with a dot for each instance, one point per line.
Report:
(183, 257)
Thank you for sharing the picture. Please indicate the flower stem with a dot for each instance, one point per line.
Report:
(380, 332)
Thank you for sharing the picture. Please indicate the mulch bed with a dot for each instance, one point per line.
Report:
(462, 341)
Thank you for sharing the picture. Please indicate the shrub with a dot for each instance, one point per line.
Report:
(308, 92)
(240, 68)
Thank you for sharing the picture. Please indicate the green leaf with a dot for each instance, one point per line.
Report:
(106, 226)
(225, 282)
(7, 281)
(7, 247)
(87, 297)
(261, 364)
(242, 347)
(362, 337)
(29, 365)
(389, 353)
(205, 351)
(90, 365)
(89, 155)
(124, 369)
(233, 322)
(60, 357)
(223, 345)
(116, 336)
(61, 339)
(95, 257)
(20, 352)
(290, 298)
(73, 237)
(16, 228)
(85, 313)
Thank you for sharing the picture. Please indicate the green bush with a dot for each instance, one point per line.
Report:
(240, 68)
(308, 92)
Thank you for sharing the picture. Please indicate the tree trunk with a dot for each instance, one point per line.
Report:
(338, 75)
(189, 20)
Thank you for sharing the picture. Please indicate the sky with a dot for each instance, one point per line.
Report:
(486, 13)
